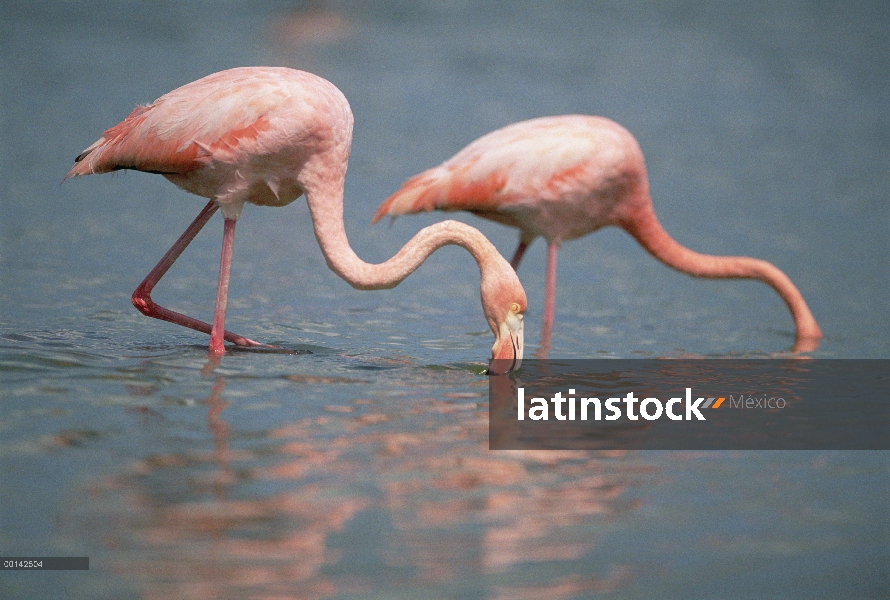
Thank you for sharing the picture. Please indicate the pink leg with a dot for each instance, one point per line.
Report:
(222, 289)
(142, 296)
(549, 299)
(517, 256)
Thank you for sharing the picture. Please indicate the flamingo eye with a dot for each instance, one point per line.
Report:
(514, 307)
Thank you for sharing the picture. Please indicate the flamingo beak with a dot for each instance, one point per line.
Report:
(506, 354)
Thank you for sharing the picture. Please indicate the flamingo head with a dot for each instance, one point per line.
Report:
(504, 304)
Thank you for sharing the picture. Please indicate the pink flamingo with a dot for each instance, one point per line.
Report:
(564, 177)
(267, 135)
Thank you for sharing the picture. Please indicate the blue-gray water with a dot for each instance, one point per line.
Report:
(361, 469)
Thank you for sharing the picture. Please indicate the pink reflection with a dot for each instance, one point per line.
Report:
(314, 24)
(286, 516)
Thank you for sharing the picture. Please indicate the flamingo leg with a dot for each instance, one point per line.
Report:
(549, 299)
(142, 296)
(222, 289)
(517, 256)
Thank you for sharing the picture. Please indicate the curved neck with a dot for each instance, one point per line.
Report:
(644, 226)
(326, 208)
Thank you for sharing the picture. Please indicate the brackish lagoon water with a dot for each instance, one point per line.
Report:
(359, 467)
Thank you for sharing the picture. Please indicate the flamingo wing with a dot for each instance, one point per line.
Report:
(519, 164)
(184, 130)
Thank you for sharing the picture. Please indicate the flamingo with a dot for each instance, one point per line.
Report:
(566, 176)
(266, 136)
